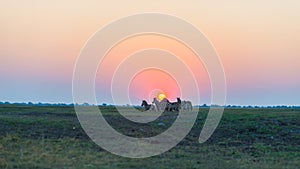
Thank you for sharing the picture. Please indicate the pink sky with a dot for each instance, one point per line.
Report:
(257, 41)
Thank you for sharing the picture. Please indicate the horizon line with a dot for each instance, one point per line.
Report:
(109, 104)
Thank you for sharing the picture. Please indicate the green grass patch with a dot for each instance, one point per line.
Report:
(51, 137)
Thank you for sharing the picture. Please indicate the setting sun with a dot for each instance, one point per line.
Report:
(162, 96)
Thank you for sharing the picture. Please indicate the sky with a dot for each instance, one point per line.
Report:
(257, 42)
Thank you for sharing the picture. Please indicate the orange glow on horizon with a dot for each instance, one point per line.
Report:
(142, 85)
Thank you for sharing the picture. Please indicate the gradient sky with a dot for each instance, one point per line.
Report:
(257, 41)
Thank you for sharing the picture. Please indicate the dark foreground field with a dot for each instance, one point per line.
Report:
(51, 137)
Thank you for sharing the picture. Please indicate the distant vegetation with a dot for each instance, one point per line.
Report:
(105, 104)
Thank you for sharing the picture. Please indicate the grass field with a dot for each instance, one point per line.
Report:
(51, 137)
